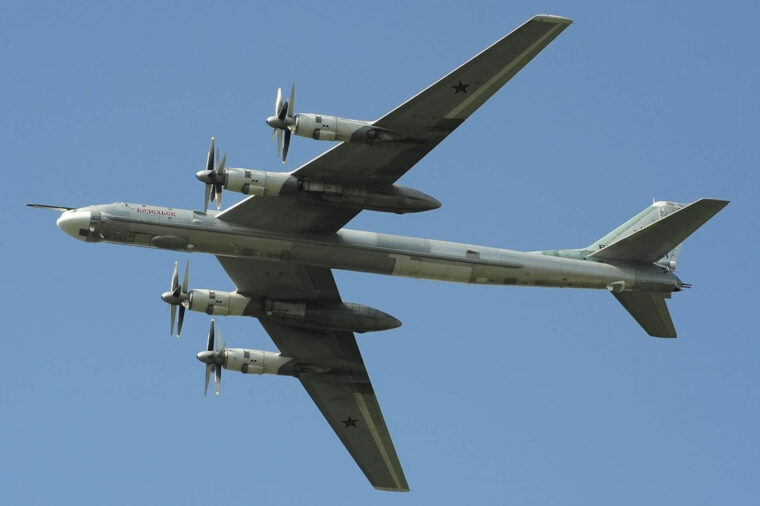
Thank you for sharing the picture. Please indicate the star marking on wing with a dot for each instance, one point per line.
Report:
(460, 87)
(349, 422)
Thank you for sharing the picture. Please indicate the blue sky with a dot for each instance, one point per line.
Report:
(492, 395)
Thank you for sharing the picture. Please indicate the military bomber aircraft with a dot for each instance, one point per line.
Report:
(280, 243)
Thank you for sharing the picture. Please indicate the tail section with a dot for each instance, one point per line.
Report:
(654, 236)
(649, 310)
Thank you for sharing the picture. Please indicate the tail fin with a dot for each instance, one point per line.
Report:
(654, 236)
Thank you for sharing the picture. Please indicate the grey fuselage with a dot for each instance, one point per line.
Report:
(194, 231)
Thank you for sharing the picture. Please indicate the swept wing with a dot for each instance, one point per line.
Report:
(419, 125)
(336, 380)
(344, 394)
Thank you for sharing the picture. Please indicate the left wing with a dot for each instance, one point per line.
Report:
(343, 392)
(417, 126)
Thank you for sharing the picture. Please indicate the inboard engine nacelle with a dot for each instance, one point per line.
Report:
(386, 198)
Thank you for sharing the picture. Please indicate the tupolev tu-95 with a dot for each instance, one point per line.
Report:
(280, 243)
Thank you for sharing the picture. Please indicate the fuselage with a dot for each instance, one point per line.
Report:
(194, 231)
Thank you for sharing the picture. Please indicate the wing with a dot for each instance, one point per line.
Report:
(344, 393)
(427, 118)
(417, 126)
(347, 402)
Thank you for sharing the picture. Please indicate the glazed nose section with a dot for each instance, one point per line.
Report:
(75, 223)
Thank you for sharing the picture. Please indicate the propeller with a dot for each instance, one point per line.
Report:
(283, 121)
(177, 296)
(214, 358)
(214, 176)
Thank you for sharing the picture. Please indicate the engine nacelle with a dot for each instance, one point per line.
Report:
(254, 361)
(215, 302)
(256, 182)
(332, 128)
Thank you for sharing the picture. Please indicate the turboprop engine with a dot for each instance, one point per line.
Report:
(259, 183)
(237, 359)
(340, 316)
(319, 126)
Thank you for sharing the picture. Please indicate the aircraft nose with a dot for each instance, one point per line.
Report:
(75, 223)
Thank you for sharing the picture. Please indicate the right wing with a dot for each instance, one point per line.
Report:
(346, 400)
(332, 369)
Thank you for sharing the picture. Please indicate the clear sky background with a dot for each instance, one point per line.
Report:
(493, 395)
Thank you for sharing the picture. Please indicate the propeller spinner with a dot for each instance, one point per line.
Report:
(177, 296)
(283, 121)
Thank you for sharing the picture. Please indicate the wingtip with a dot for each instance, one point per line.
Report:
(391, 489)
(550, 18)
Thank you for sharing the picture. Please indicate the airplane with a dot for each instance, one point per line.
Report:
(280, 243)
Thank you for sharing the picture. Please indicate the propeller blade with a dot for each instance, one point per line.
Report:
(218, 377)
(220, 176)
(181, 319)
(210, 156)
(277, 102)
(287, 144)
(210, 341)
(283, 111)
(175, 275)
(208, 375)
(220, 169)
(206, 198)
(279, 142)
(173, 316)
(187, 277)
(292, 101)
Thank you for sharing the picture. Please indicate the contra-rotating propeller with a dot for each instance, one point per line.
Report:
(214, 358)
(214, 177)
(177, 296)
(283, 120)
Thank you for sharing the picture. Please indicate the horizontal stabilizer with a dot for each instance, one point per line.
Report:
(650, 310)
(655, 240)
